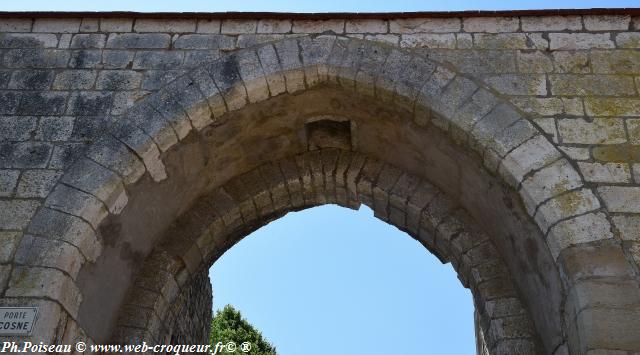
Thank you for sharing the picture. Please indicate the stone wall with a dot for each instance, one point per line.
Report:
(549, 102)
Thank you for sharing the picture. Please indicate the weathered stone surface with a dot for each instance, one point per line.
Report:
(551, 23)
(573, 41)
(582, 229)
(232, 26)
(491, 24)
(615, 62)
(530, 98)
(548, 182)
(607, 22)
(37, 183)
(164, 25)
(425, 25)
(135, 40)
(565, 205)
(621, 198)
(15, 214)
(598, 131)
(319, 26)
(608, 172)
(531, 155)
(118, 80)
(116, 24)
(74, 79)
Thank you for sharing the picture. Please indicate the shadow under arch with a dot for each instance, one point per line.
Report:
(254, 106)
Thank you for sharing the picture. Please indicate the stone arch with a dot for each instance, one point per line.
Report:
(221, 218)
(513, 153)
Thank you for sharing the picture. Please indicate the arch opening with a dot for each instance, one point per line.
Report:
(278, 130)
(334, 278)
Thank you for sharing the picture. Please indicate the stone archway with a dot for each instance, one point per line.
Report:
(403, 109)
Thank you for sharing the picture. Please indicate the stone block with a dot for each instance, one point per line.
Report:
(144, 147)
(203, 41)
(564, 206)
(622, 61)
(628, 226)
(442, 25)
(606, 328)
(498, 120)
(491, 24)
(628, 40)
(49, 283)
(90, 103)
(384, 38)
(198, 58)
(251, 40)
(42, 103)
(74, 79)
(208, 26)
(621, 198)
(9, 242)
(118, 80)
(94, 40)
(573, 41)
(8, 181)
(534, 62)
(604, 293)
(17, 128)
(274, 26)
(64, 154)
(428, 40)
(234, 26)
(98, 181)
(15, 24)
(366, 26)
(28, 40)
(75, 202)
(518, 84)
(55, 128)
(600, 130)
(606, 22)
(24, 155)
(57, 25)
(37, 183)
(551, 23)
(582, 229)
(576, 62)
(50, 253)
(592, 261)
(116, 24)
(592, 85)
(90, 25)
(36, 58)
(158, 59)
(548, 182)
(478, 61)
(114, 155)
(15, 214)
(117, 59)
(138, 40)
(164, 25)
(318, 26)
(611, 106)
(156, 79)
(85, 58)
(605, 172)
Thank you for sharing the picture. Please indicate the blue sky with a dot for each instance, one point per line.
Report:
(330, 280)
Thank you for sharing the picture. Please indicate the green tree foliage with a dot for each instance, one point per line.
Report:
(229, 326)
